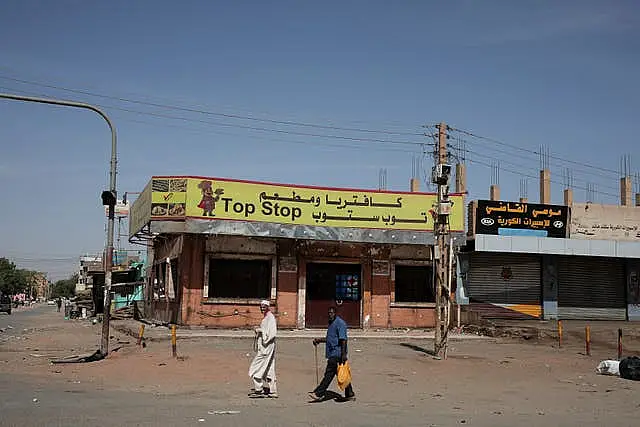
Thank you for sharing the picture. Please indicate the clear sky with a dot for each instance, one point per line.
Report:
(560, 73)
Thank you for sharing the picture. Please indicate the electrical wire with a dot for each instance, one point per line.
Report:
(520, 173)
(207, 112)
(255, 128)
(496, 141)
(523, 167)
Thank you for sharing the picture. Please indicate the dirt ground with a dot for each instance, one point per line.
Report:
(491, 382)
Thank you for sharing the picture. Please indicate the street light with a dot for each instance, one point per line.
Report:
(109, 198)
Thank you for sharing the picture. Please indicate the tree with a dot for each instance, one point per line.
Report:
(65, 287)
(12, 280)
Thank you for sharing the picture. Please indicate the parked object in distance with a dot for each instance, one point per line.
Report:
(51, 302)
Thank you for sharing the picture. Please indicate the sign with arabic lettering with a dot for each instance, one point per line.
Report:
(605, 222)
(224, 199)
(508, 218)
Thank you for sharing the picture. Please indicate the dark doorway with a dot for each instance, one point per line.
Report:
(338, 285)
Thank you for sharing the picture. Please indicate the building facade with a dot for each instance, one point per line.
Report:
(218, 246)
(553, 262)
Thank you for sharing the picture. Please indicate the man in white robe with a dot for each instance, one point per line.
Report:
(263, 366)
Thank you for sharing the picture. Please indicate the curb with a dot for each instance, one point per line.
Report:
(302, 335)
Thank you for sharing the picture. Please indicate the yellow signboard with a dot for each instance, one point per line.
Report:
(223, 199)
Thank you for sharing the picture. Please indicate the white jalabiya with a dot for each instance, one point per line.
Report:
(263, 366)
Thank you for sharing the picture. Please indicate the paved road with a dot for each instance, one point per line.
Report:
(24, 317)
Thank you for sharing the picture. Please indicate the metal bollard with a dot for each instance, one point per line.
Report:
(559, 333)
(587, 339)
(140, 335)
(619, 344)
(174, 340)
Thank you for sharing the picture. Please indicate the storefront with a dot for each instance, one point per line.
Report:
(220, 246)
(591, 288)
(522, 262)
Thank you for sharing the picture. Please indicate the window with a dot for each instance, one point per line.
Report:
(414, 283)
(239, 278)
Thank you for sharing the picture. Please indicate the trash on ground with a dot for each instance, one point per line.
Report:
(630, 368)
(608, 367)
(223, 412)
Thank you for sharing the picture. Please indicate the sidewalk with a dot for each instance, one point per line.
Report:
(602, 332)
(161, 333)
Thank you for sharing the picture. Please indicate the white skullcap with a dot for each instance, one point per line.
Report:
(264, 302)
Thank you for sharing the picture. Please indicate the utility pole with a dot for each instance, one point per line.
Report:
(108, 199)
(441, 175)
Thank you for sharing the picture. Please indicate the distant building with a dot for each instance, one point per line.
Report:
(39, 286)
(89, 264)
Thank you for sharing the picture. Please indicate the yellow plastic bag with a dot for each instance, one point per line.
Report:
(344, 375)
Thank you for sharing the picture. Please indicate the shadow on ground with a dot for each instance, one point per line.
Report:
(418, 348)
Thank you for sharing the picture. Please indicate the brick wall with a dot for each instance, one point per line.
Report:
(378, 310)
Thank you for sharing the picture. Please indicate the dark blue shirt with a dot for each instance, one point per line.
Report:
(337, 330)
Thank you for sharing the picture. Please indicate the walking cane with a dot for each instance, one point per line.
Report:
(316, 353)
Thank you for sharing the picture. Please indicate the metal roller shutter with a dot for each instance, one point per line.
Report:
(505, 285)
(633, 289)
(591, 288)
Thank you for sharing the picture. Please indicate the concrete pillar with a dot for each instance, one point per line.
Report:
(568, 197)
(545, 187)
(471, 220)
(524, 200)
(494, 192)
(461, 178)
(414, 185)
(549, 287)
(625, 191)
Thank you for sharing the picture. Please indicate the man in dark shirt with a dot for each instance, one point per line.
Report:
(335, 352)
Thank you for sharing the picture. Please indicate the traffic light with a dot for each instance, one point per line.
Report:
(108, 198)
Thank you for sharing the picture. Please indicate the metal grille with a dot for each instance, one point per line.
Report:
(504, 278)
(591, 288)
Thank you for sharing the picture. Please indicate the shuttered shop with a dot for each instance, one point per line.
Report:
(591, 288)
(505, 285)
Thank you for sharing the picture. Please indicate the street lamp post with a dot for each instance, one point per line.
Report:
(104, 342)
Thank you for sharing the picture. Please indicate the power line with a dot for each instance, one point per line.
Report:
(246, 127)
(209, 113)
(495, 141)
(589, 173)
(517, 165)
(520, 173)
(379, 147)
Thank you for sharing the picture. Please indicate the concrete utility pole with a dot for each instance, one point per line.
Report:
(441, 176)
(108, 197)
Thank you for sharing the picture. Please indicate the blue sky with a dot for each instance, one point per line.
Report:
(562, 74)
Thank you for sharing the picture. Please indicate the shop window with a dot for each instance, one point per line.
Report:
(414, 283)
(239, 278)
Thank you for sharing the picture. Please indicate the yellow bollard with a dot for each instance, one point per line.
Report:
(587, 339)
(559, 333)
(140, 335)
(174, 340)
